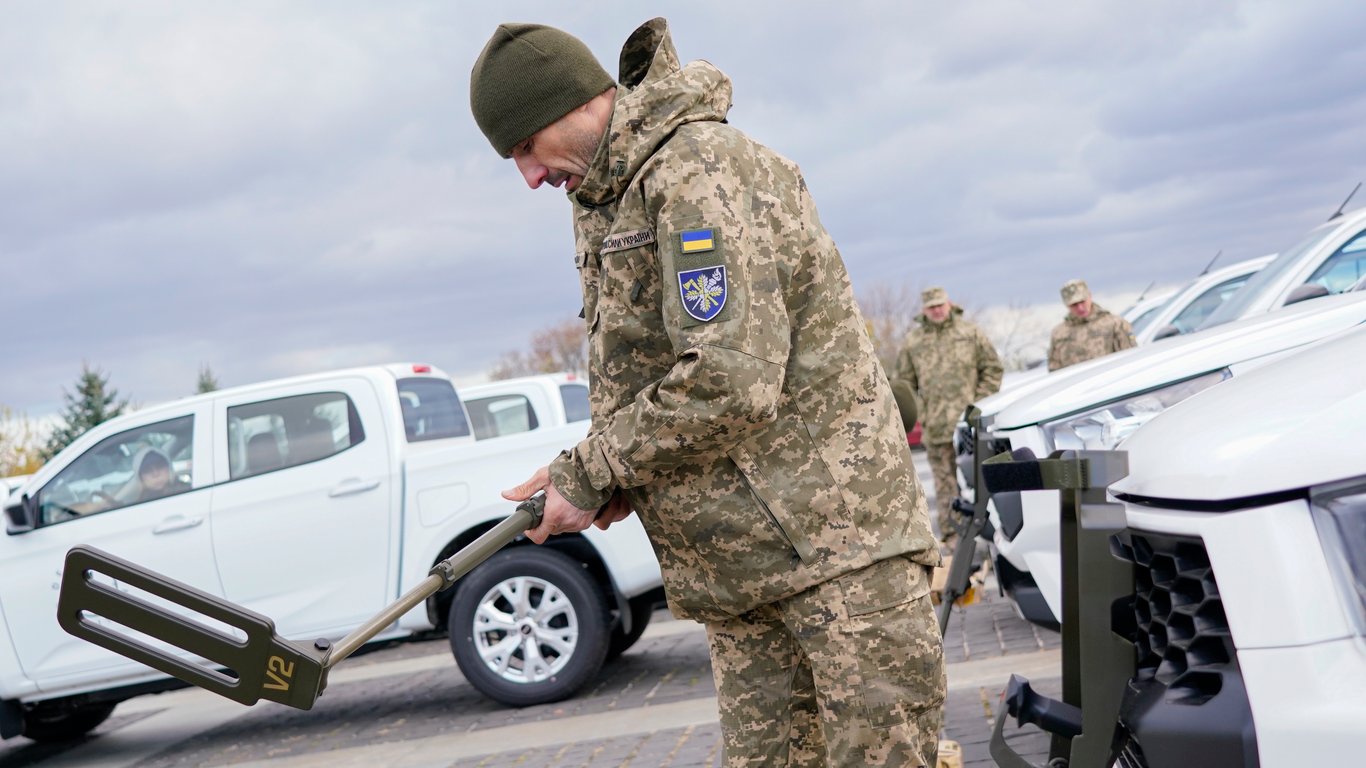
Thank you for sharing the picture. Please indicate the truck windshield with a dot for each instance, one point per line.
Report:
(1267, 277)
(431, 409)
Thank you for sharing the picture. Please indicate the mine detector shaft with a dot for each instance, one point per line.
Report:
(243, 659)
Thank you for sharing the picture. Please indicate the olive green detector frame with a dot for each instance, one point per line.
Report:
(261, 666)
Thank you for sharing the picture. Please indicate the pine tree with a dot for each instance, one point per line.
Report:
(207, 381)
(94, 402)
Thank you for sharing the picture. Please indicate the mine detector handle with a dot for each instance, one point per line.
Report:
(120, 606)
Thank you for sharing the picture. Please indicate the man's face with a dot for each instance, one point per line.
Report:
(1081, 309)
(938, 313)
(560, 153)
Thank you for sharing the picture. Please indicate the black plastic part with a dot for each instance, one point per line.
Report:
(11, 718)
(1218, 733)
(1026, 594)
(1010, 508)
(1028, 707)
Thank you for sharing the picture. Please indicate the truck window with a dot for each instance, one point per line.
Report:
(431, 410)
(288, 431)
(1343, 268)
(501, 415)
(575, 398)
(1195, 313)
(142, 464)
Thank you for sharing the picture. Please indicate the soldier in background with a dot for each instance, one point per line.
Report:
(738, 405)
(949, 363)
(1087, 332)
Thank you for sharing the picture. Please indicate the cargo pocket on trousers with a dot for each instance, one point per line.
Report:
(896, 637)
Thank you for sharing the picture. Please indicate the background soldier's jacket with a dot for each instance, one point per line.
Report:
(948, 365)
(1077, 339)
(762, 448)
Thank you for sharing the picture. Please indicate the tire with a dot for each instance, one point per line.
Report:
(642, 608)
(538, 652)
(64, 723)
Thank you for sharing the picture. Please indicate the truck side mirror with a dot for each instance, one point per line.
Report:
(1306, 292)
(21, 517)
(1167, 331)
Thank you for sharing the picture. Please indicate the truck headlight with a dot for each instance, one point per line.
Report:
(1102, 428)
(1340, 517)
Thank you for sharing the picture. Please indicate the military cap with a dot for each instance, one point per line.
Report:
(933, 297)
(1074, 291)
(527, 77)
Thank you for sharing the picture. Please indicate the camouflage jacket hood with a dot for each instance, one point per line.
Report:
(656, 96)
(737, 401)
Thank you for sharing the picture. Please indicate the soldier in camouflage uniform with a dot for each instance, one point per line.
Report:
(949, 363)
(738, 405)
(1087, 332)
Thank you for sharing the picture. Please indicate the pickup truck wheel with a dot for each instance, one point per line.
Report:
(641, 611)
(50, 724)
(529, 626)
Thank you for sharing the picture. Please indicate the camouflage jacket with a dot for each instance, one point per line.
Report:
(736, 397)
(1076, 340)
(948, 365)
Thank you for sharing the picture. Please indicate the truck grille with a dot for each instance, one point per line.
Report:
(1179, 630)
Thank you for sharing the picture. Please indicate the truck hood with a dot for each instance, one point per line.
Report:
(1291, 424)
(1170, 360)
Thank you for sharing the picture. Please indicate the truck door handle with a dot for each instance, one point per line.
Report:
(352, 485)
(177, 523)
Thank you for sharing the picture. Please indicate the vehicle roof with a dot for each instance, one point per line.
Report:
(391, 370)
(1196, 288)
(1155, 365)
(500, 385)
(1294, 423)
(1158, 298)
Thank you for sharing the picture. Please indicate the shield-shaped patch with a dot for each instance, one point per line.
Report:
(703, 291)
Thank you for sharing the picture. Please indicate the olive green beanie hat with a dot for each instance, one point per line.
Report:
(527, 77)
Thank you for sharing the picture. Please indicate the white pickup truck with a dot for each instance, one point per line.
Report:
(316, 501)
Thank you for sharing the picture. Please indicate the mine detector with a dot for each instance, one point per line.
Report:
(239, 655)
(1088, 724)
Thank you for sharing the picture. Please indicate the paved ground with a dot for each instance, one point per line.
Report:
(408, 705)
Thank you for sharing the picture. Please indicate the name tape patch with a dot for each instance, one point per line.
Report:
(625, 240)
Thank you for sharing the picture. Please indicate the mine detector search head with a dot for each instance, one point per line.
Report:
(247, 661)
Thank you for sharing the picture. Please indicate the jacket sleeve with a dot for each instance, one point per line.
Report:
(728, 375)
(1124, 334)
(989, 368)
(1054, 352)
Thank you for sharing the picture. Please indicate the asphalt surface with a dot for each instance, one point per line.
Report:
(406, 704)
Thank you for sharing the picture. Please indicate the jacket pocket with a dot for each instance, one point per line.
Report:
(770, 503)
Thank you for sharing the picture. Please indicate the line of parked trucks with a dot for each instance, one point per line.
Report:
(1242, 518)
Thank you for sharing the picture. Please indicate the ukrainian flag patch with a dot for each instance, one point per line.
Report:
(697, 240)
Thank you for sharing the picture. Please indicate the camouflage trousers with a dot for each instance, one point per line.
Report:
(945, 469)
(847, 673)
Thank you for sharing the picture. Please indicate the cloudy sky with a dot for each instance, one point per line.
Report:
(272, 188)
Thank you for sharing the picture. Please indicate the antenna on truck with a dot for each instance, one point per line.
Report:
(1205, 271)
(1344, 202)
